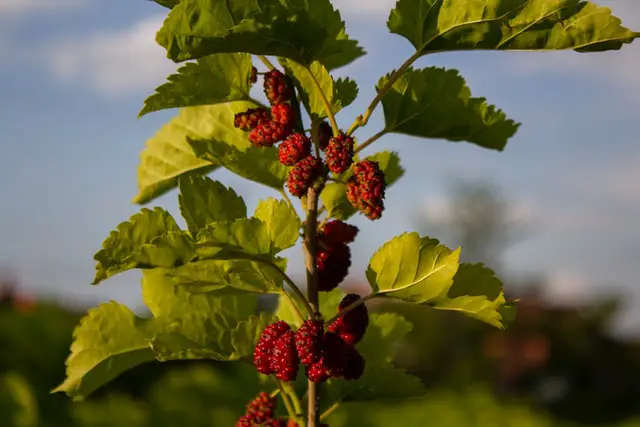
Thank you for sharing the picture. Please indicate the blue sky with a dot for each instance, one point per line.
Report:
(74, 73)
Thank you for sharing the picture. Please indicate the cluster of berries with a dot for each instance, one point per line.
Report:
(334, 255)
(261, 412)
(325, 354)
(269, 126)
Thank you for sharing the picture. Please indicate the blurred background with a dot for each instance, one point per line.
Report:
(555, 215)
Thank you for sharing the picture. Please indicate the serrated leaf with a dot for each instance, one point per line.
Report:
(297, 29)
(281, 221)
(168, 156)
(413, 269)
(334, 195)
(230, 277)
(211, 80)
(380, 380)
(203, 201)
(109, 340)
(151, 238)
(230, 147)
(437, 25)
(436, 103)
(317, 89)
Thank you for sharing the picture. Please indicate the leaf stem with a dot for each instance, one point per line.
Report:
(296, 310)
(325, 101)
(352, 306)
(363, 119)
(286, 198)
(287, 403)
(329, 411)
(266, 62)
(370, 141)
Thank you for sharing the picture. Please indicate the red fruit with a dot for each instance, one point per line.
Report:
(263, 353)
(251, 118)
(283, 114)
(303, 174)
(337, 232)
(339, 153)
(335, 353)
(268, 133)
(366, 189)
(333, 266)
(351, 326)
(309, 341)
(324, 134)
(276, 87)
(285, 357)
(260, 411)
(295, 148)
(355, 365)
(254, 75)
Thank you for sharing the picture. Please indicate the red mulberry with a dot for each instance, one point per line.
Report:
(333, 266)
(351, 326)
(324, 134)
(283, 114)
(276, 87)
(309, 341)
(285, 357)
(251, 118)
(253, 78)
(295, 148)
(303, 174)
(366, 189)
(263, 353)
(268, 133)
(339, 153)
(260, 410)
(337, 232)
(355, 365)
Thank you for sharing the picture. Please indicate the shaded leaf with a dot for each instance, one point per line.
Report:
(109, 340)
(297, 29)
(345, 91)
(232, 239)
(203, 201)
(437, 25)
(334, 195)
(281, 221)
(211, 80)
(167, 3)
(436, 103)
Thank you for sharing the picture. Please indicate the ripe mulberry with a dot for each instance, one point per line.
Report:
(337, 232)
(333, 361)
(252, 118)
(253, 78)
(268, 133)
(309, 341)
(276, 87)
(283, 114)
(295, 148)
(303, 174)
(263, 354)
(355, 365)
(324, 134)
(284, 362)
(260, 410)
(339, 153)
(333, 266)
(366, 189)
(351, 326)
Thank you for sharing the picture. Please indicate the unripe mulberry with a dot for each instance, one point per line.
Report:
(268, 133)
(263, 354)
(366, 189)
(276, 87)
(352, 325)
(284, 362)
(333, 266)
(309, 341)
(355, 365)
(252, 118)
(253, 78)
(337, 232)
(260, 411)
(283, 114)
(339, 153)
(303, 174)
(295, 148)
(324, 134)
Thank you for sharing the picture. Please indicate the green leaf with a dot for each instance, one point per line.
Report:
(297, 29)
(436, 103)
(230, 147)
(234, 239)
(437, 26)
(231, 277)
(329, 302)
(413, 269)
(167, 3)
(213, 79)
(281, 221)
(150, 238)
(203, 201)
(109, 340)
(380, 380)
(168, 155)
(317, 88)
(334, 195)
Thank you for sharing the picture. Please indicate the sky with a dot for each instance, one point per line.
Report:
(74, 74)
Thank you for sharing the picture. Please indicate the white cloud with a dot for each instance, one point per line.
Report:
(114, 62)
(15, 8)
